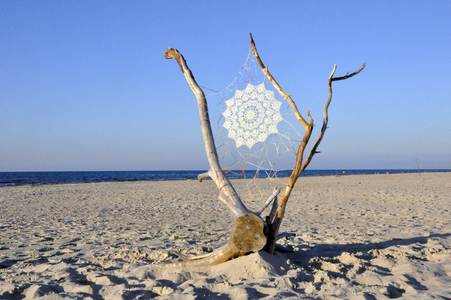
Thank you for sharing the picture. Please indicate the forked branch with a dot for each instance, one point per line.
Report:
(227, 193)
(278, 211)
(331, 79)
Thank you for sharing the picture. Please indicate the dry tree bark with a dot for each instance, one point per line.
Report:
(249, 232)
(300, 164)
(227, 193)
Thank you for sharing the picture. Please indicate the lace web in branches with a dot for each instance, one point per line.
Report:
(254, 132)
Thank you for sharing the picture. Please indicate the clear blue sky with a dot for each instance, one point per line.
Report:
(84, 86)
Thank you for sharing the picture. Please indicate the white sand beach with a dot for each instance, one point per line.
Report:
(356, 237)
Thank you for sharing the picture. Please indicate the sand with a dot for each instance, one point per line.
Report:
(356, 237)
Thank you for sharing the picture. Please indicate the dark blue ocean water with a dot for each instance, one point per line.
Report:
(21, 178)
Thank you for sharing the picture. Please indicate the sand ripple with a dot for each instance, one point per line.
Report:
(355, 237)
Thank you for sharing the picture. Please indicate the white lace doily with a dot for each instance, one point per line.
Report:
(252, 115)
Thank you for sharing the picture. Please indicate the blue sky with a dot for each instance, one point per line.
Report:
(84, 86)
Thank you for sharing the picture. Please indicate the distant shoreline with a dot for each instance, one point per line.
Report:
(71, 177)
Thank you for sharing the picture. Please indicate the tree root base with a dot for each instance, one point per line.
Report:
(247, 236)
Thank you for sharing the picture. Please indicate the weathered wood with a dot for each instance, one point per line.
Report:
(227, 193)
(276, 85)
(331, 79)
(247, 236)
(270, 199)
(272, 213)
(275, 219)
(203, 176)
(249, 233)
(296, 172)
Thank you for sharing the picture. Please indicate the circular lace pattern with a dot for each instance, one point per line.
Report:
(252, 115)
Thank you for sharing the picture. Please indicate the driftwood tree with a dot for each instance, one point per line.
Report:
(250, 231)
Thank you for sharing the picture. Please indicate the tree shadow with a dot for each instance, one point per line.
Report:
(332, 250)
(204, 293)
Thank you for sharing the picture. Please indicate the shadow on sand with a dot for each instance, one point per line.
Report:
(332, 250)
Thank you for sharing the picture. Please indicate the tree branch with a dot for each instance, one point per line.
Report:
(277, 215)
(276, 85)
(272, 213)
(227, 193)
(347, 75)
(275, 218)
(270, 199)
(297, 170)
(314, 149)
(203, 176)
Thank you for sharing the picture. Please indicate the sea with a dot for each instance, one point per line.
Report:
(37, 178)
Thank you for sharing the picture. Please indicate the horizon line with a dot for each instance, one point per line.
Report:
(232, 170)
